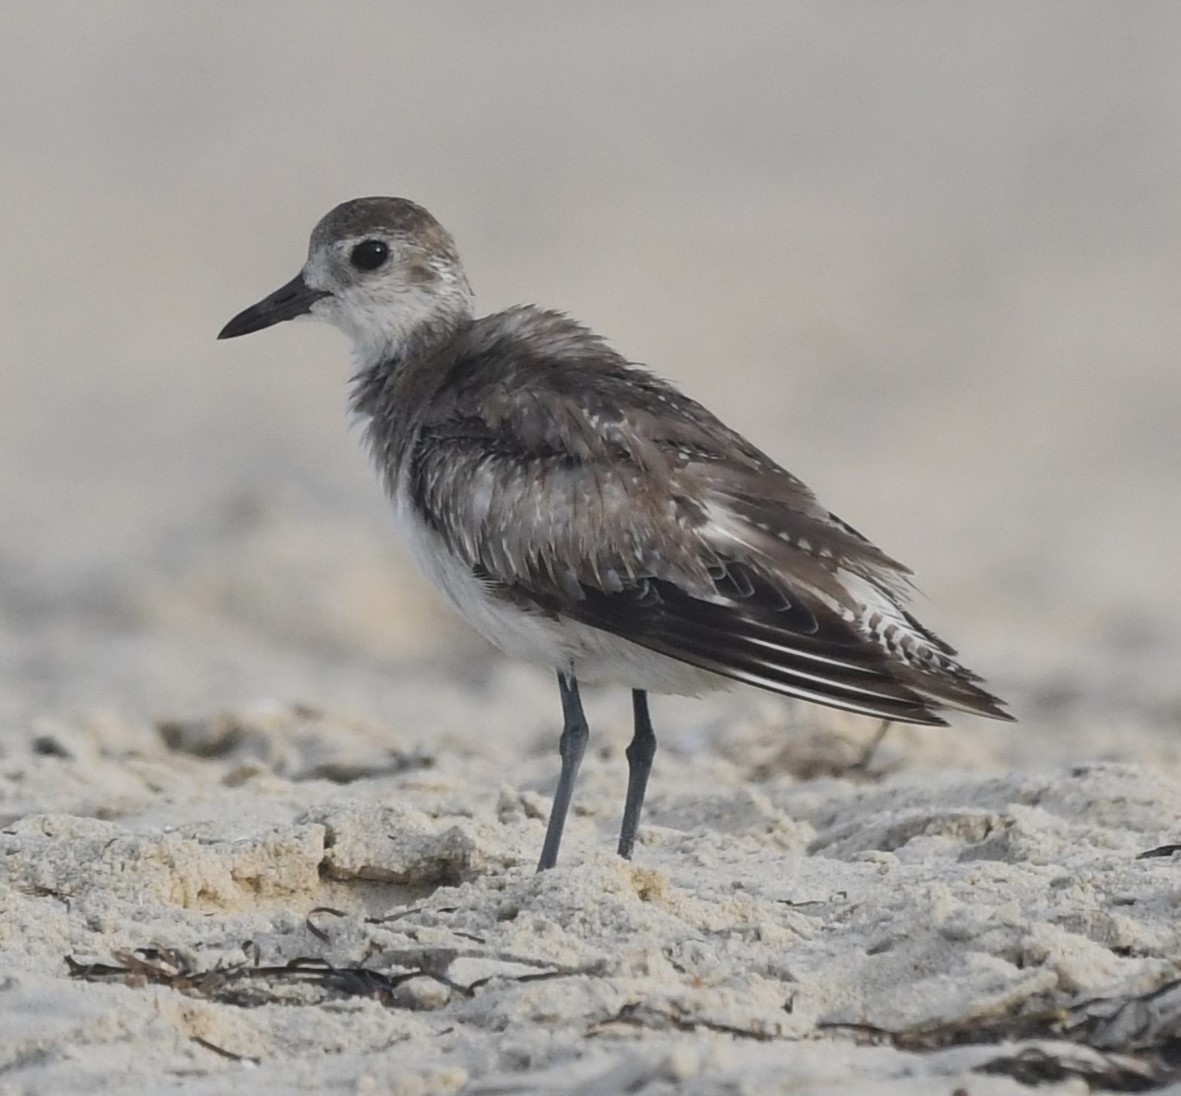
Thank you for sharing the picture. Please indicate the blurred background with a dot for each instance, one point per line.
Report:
(927, 255)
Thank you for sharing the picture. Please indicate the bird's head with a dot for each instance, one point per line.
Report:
(383, 270)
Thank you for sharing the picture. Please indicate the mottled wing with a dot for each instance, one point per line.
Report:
(606, 497)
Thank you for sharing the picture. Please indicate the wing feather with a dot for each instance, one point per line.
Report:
(584, 488)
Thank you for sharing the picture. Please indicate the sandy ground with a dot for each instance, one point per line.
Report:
(268, 814)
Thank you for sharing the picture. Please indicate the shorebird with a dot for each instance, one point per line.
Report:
(586, 516)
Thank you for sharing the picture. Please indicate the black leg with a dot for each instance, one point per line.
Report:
(572, 746)
(639, 765)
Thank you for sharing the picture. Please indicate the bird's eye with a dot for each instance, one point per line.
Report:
(369, 254)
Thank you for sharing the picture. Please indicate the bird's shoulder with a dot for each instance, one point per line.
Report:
(541, 384)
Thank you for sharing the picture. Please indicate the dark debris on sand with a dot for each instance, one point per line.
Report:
(1129, 1043)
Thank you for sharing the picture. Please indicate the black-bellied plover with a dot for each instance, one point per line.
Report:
(586, 516)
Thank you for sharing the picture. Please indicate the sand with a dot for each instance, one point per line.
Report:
(269, 815)
(241, 901)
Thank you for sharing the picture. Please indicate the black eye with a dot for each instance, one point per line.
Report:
(369, 254)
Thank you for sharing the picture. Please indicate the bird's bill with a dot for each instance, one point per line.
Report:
(288, 301)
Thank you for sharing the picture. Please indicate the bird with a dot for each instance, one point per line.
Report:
(586, 516)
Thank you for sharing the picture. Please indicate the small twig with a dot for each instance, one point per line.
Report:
(317, 932)
(226, 1053)
(1160, 850)
(639, 1015)
(862, 764)
(836, 896)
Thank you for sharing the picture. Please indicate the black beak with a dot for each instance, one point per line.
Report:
(291, 300)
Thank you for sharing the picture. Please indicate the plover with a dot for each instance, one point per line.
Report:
(586, 516)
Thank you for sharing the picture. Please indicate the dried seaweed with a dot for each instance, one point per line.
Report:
(251, 984)
(1049, 1064)
(1129, 1043)
(1123, 1043)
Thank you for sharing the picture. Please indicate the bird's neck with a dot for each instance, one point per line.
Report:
(384, 330)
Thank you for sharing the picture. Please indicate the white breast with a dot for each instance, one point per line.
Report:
(555, 643)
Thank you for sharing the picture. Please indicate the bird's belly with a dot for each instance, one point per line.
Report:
(600, 656)
(547, 640)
